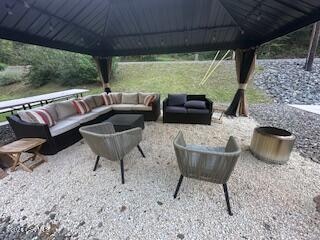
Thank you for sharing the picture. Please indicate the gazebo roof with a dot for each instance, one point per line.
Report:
(129, 27)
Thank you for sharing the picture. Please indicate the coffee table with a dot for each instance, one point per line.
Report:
(122, 122)
(30, 145)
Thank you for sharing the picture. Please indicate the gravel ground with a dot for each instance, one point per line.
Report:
(304, 125)
(287, 82)
(6, 134)
(268, 201)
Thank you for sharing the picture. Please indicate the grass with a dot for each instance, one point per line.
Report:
(159, 77)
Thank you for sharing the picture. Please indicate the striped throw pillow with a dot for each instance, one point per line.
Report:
(41, 116)
(81, 106)
(107, 99)
(148, 100)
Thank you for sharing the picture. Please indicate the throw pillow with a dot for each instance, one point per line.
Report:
(129, 98)
(81, 106)
(116, 97)
(41, 116)
(107, 99)
(195, 104)
(142, 96)
(177, 99)
(51, 108)
(149, 100)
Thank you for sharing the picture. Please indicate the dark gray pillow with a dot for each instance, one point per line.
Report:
(177, 99)
(195, 104)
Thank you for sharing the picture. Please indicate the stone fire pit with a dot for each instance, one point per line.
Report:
(272, 145)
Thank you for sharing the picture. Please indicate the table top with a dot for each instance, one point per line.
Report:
(22, 145)
(125, 119)
(38, 98)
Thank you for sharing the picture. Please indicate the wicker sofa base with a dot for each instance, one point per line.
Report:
(66, 139)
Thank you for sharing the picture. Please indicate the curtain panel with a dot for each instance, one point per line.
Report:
(104, 66)
(245, 64)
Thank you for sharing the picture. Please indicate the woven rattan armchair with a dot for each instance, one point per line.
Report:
(212, 164)
(105, 142)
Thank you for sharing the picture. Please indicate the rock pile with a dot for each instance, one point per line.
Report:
(287, 82)
(50, 229)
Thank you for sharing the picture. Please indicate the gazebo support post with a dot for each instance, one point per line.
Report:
(104, 67)
(245, 64)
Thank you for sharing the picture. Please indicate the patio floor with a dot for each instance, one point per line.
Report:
(268, 201)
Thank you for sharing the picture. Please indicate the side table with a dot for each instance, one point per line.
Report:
(30, 145)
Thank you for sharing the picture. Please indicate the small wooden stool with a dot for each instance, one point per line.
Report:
(30, 145)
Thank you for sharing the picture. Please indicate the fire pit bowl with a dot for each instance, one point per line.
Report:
(272, 145)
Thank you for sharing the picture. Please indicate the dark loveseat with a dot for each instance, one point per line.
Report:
(66, 130)
(182, 108)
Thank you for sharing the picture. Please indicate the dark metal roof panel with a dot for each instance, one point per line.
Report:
(124, 27)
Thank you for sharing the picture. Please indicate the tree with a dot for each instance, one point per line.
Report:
(313, 46)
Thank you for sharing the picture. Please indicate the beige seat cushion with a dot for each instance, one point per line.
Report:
(102, 110)
(122, 107)
(90, 101)
(98, 100)
(65, 109)
(142, 96)
(116, 97)
(83, 118)
(63, 126)
(141, 107)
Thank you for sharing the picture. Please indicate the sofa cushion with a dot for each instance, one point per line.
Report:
(90, 101)
(38, 115)
(148, 101)
(195, 104)
(116, 97)
(81, 106)
(142, 96)
(51, 108)
(84, 118)
(177, 99)
(122, 107)
(65, 109)
(197, 110)
(98, 100)
(107, 99)
(141, 107)
(102, 110)
(129, 98)
(63, 126)
(176, 109)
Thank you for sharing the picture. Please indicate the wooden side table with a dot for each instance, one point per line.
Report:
(30, 145)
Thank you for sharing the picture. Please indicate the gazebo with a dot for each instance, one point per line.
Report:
(107, 28)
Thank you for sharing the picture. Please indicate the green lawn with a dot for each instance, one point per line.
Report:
(159, 77)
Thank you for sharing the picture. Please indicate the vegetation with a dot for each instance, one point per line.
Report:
(156, 77)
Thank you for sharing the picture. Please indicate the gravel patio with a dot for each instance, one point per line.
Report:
(64, 198)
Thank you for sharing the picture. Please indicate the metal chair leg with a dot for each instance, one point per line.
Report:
(122, 171)
(178, 186)
(96, 164)
(226, 194)
(140, 150)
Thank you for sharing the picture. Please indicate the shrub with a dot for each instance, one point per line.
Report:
(2, 66)
(61, 67)
(9, 78)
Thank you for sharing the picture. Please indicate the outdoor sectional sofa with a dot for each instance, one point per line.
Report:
(66, 130)
(182, 108)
